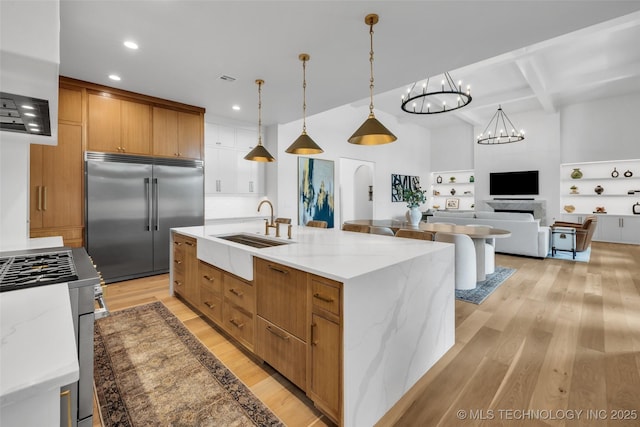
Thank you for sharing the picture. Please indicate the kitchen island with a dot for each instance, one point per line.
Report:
(387, 302)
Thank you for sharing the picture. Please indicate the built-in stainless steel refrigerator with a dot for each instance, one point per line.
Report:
(131, 203)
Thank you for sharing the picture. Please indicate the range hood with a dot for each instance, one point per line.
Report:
(24, 114)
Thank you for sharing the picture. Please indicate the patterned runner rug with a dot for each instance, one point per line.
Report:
(485, 288)
(151, 371)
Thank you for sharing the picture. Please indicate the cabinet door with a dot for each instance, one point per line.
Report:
(282, 296)
(220, 136)
(165, 132)
(190, 131)
(70, 105)
(35, 187)
(136, 127)
(104, 124)
(607, 229)
(225, 171)
(630, 231)
(62, 179)
(326, 375)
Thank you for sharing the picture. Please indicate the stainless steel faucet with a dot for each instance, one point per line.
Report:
(267, 223)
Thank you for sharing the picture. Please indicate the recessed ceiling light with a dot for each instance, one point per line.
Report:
(29, 114)
(27, 107)
(114, 77)
(131, 45)
(236, 107)
(33, 125)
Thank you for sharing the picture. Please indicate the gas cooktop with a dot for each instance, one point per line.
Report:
(28, 270)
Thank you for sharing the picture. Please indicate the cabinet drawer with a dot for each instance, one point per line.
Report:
(283, 351)
(211, 304)
(325, 294)
(239, 293)
(179, 284)
(282, 296)
(210, 277)
(238, 323)
(180, 240)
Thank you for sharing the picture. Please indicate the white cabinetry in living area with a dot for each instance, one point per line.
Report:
(618, 184)
(457, 186)
(226, 170)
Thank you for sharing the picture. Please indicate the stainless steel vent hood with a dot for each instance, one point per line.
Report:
(24, 114)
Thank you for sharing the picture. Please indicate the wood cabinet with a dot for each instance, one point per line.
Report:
(56, 192)
(185, 268)
(118, 126)
(325, 355)
(210, 291)
(177, 133)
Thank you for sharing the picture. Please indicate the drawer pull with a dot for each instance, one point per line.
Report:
(236, 292)
(281, 336)
(278, 270)
(208, 304)
(189, 244)
(177, 282)
(177, 243)
(210, 279)
(67, 394)
(178, 262)
(237, 324)
(322, 297)
(313, 340)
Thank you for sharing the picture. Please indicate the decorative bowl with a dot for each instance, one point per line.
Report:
(569, 208)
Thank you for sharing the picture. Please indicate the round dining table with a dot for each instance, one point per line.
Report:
(479, 235)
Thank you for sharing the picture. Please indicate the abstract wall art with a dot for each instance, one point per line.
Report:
(316, 190)
(401, 182)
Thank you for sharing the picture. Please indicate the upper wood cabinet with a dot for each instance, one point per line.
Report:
(117, 125)
(177, 133)
(70, 104)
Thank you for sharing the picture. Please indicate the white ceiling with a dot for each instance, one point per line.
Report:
(542, 55)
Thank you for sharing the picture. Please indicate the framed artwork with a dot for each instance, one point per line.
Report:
(315, 190)
(452, 203)
(399, 183)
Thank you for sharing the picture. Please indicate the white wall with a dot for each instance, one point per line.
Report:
(348, 183)
(606, 129)
(409, 155)
(14, 190)
(452, 148)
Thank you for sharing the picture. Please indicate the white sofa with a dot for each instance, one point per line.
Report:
(527, 238)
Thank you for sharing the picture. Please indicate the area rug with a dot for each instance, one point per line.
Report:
(568, 255)
(485, 288)
(151, 371)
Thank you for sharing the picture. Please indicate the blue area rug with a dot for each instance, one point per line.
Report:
(567, 255)
(484, 289)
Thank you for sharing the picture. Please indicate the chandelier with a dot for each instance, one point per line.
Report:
(304, 144)
(371, 132)
(506, 133)
(259, 153)
(431, 98)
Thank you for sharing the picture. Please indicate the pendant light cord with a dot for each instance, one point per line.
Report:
(304, 96)
(371, 68)
(259, 112)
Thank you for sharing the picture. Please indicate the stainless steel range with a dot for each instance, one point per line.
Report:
(41, 267)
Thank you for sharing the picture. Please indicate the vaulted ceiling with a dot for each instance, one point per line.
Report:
(521, 54)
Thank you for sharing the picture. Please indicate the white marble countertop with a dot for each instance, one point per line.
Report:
(38, 349)
(34, 243)
(333, 253)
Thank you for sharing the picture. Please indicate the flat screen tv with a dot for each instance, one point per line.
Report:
(513, 183)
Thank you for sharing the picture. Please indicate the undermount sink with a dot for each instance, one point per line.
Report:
(253, 241)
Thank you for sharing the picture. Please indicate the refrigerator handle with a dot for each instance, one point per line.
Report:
(155, 199)
(148, 191)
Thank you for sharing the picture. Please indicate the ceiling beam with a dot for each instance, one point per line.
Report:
(531, 73)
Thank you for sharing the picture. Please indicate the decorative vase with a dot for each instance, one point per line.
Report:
(628, 173)
(453, 191)
(414, 215)
(598, 189)
(452, 179)
(472, 179)
(636, 209)
(569, 208)
(614, 173)
(439, 180)
(576, 174)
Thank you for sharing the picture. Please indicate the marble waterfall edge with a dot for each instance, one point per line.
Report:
(418, 328)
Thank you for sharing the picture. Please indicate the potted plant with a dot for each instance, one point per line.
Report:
(452, 179)
(414, 197)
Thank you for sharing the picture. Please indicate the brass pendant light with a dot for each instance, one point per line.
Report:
(259, 153)
(371, 132)
(304, 144)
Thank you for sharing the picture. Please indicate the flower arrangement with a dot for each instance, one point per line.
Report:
(413, 197)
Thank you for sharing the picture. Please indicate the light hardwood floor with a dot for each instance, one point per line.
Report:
(557, 338)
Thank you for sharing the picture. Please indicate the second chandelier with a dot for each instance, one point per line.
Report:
(433, 98)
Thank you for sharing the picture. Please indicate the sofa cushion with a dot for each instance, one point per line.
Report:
(511, 216)
(453, 214)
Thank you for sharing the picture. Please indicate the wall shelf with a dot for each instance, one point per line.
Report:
(461, 184)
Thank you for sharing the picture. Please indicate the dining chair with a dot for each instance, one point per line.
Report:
(283, 220)
(489, 251)
(358, 228)
(384, 231)
(465, 254)
(414, 234)
(318, 224)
